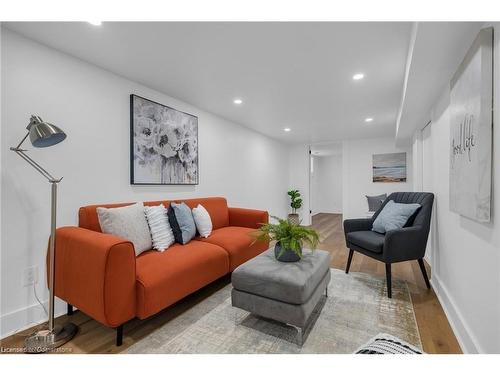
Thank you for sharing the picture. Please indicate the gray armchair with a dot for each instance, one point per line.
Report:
(400, 245)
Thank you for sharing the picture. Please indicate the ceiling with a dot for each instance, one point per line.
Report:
(437, 52)
(288, 74)
(327, 149)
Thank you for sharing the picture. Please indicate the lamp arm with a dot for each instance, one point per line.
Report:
(22, 141)
(22, 153)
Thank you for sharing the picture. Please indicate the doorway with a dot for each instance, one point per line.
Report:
(325, 192)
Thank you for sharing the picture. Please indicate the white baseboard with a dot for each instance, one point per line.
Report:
(463, 333)
(27, 317)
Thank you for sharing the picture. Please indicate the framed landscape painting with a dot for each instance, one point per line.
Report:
(389, 167)
(163, 144)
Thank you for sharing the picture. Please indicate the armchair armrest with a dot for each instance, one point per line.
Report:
(356, 225)
(404, 244)
(96, 273)
(245, 217)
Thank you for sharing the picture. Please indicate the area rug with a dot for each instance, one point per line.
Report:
(356, 309)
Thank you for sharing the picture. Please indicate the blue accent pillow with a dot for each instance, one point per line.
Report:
(394, 216)
(184, 218)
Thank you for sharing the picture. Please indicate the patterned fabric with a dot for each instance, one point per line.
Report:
(339, 325)
(161, 233)
(387, 344)
(128, 222)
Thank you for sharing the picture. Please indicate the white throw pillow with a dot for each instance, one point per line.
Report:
(128, 222)
(161, 233)
(202, 221)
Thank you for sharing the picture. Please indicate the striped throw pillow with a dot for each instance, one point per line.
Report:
(387, 344)
(161, 233)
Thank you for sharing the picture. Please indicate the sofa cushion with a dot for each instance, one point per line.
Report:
(375, 201)
(164, 278)
(202, 220)
(237, 241)
(368, 240)
(394, 216)
(128, 222)
(184, 218)
(161, 231)
(172, 220)
(216, 207)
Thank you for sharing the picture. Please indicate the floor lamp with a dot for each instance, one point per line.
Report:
(44, 134)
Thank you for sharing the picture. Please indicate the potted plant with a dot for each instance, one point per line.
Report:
(295, 203)
(290, 239)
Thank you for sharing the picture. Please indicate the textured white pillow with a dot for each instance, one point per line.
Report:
(202, 220)
(161, 233)
(128, 222)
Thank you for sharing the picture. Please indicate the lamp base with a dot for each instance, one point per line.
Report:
(46, 341)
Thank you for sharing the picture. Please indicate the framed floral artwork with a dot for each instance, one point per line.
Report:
(163, 144)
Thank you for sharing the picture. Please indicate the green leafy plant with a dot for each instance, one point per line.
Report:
(295, 200)
(289, 236)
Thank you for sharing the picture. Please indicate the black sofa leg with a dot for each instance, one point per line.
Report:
(389, 279)
(70, 309)
(424, 272)
(119, 335)
(351, 252)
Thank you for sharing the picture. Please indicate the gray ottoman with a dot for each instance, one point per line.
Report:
(286, 292)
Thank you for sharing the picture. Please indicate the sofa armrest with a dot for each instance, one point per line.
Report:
(245, 217)
(96, 273)
(404, 244)
(356, 225)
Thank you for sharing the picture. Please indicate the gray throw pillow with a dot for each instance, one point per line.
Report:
(394, 216)
(185, 220)
(375, 201)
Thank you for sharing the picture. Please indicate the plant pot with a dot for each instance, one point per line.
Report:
(286, 256)
(293, 219)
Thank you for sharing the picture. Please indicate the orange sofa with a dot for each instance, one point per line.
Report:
(100, 275)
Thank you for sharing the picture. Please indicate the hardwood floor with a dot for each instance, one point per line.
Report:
(435, 331)
(95, 338)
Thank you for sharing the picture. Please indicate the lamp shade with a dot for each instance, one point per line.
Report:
(44, 134)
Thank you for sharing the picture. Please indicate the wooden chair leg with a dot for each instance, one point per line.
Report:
(424, 272)
(389, 279)
(351, 252)
(70, 309)
(119, 335)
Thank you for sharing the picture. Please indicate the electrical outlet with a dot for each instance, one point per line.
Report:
(30, 276)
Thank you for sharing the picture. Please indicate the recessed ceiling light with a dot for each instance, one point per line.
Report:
(287, 129)
(95, 23)
(358, 76)
(368, 119)
(237, 101)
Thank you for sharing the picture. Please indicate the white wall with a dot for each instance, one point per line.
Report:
(357, 173)
(326, 184)
(92, 106)
(466, 254)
